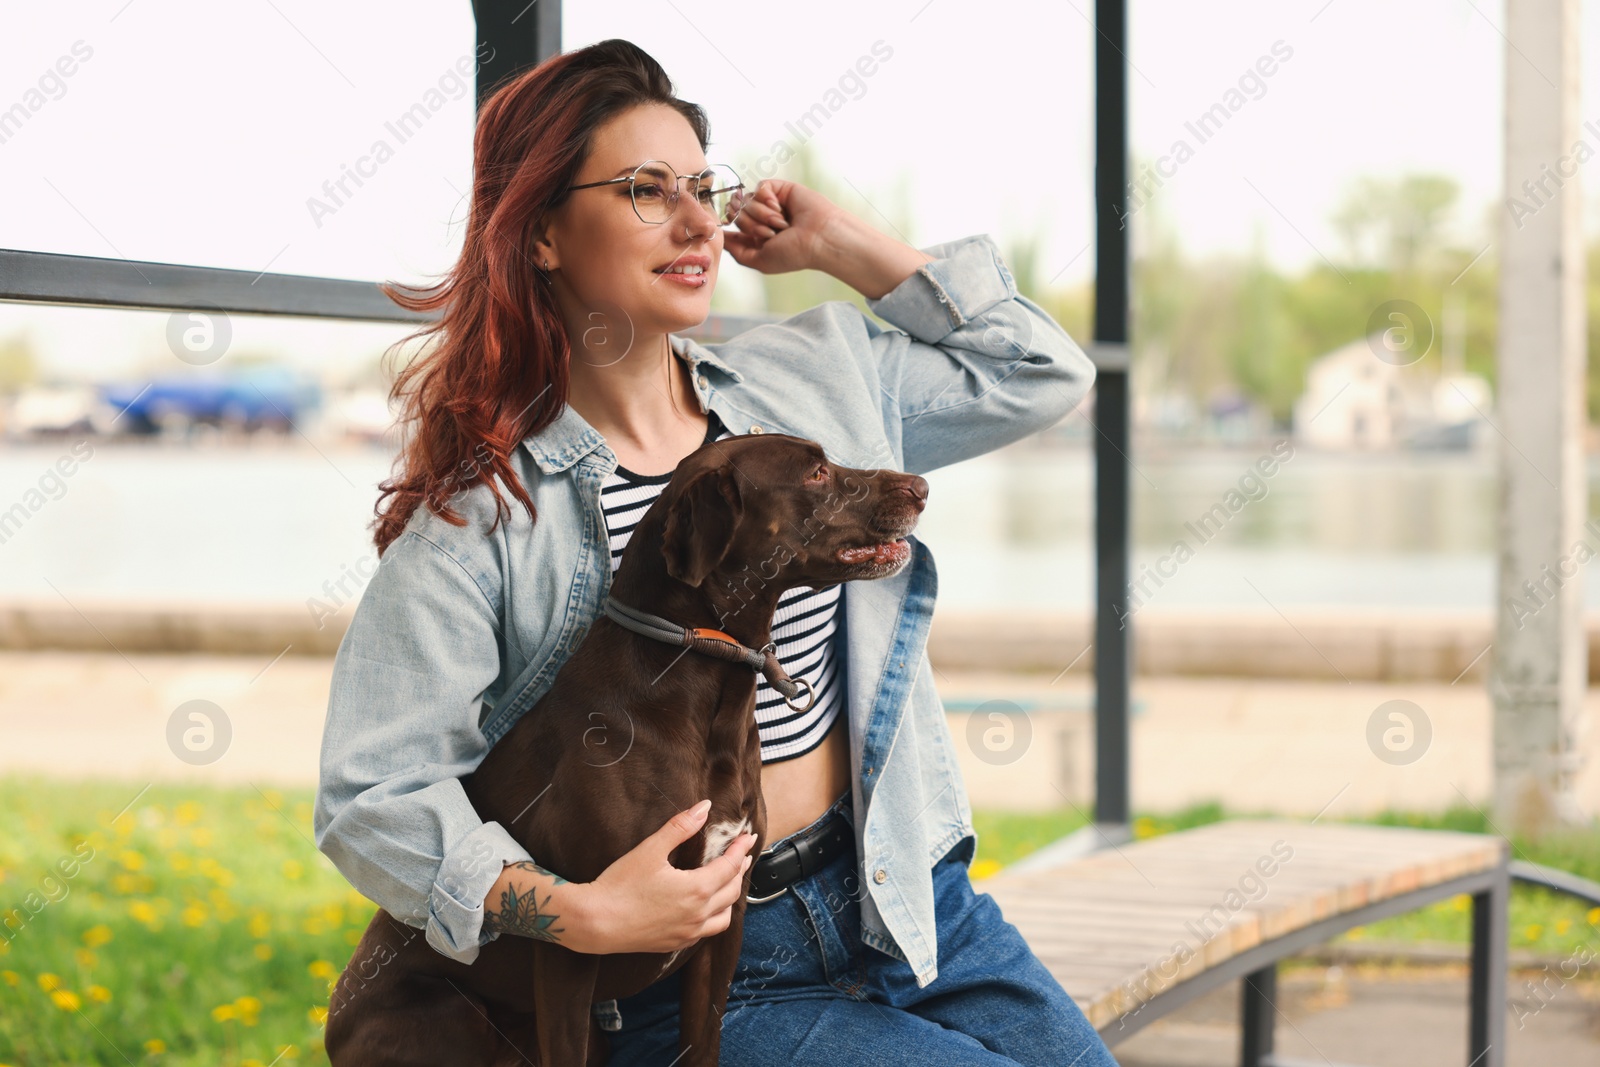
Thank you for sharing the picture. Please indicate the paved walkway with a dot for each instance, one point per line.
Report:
(1294, 748)
(1394, 1017)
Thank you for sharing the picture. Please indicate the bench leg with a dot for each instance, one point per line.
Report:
(1258, 997)
(1486, 1034)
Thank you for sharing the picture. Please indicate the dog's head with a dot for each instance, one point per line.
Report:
(775, 506)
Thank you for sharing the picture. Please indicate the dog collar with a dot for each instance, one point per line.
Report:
(713, 643)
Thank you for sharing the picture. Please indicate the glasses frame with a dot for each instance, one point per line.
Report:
(672, 201)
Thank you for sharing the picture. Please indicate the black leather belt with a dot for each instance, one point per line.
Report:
(776, 869)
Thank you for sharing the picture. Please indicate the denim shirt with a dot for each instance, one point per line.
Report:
(461, 631)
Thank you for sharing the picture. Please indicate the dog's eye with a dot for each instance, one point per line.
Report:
(820, 474)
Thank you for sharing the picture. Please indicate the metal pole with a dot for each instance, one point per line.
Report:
(1112, 439)
(519, 33)
(1486, 1018)
(1540, 667)
(1258, 1012)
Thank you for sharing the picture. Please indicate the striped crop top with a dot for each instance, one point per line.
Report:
(803, 626)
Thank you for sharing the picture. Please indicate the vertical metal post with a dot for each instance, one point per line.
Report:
(520, 34)
(1540, 667)
(1258, 999)
(1486, 1019)
(1112, 445)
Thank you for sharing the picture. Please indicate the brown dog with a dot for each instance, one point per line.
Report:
(632, 731)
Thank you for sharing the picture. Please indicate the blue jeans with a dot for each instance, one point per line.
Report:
(808, 991)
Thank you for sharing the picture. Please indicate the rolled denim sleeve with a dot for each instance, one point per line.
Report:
(402, 729)
(973, 364)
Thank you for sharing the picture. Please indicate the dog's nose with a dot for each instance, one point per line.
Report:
(917, 487)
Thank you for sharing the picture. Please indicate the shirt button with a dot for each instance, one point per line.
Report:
(880, 876)
(756, 428)
(702, 380)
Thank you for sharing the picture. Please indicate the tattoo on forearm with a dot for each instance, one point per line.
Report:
(519, 912)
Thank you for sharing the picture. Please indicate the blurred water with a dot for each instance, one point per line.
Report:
(286, 522)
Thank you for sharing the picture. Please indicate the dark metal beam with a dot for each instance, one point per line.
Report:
(1112, 644)
(87, 281)
(520, 34)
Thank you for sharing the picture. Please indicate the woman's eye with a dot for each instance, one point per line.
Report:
(647, 190)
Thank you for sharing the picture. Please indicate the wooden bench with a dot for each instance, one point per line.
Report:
(1136, 930)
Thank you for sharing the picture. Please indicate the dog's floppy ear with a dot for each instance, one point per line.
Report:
(699, 526)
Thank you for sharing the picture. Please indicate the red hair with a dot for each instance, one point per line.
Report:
(499, 369)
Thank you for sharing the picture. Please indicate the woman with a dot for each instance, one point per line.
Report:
(555, 381)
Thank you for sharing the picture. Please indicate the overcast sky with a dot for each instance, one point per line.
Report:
(200, 133)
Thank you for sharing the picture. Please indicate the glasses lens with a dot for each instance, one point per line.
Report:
(653, 184)
(722, 195)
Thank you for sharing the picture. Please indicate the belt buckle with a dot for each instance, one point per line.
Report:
(773, 896)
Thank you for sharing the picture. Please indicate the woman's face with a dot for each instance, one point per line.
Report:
(606, 259)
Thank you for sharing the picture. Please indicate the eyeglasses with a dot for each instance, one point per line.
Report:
(655, 191)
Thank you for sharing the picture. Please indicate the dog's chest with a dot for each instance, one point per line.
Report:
(720, 835)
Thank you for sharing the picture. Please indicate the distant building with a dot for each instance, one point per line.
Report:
(1355, 401)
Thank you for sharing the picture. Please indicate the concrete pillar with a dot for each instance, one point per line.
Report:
(1537, 682)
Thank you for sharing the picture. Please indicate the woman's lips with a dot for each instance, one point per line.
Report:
(693, 281)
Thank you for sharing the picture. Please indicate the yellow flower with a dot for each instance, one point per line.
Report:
(260, 925)
(263, 951)
(292, 869)
(1562, 926)
(289, 1052)
(274, 797)
(982, 869)
(194, 914)
(155, 1046)
(222, 1013)
(5, 946)
(143, 912)
(187, 813)
(322, 969)
(318, 1015)
(96, 936)
(98, 993)
(48, 981)
(1144, 826)
(84, 957)
(1594, 916)
(131, 860)
(1532, 931)
(66, 999)
(11, 978)
(249, 1010)
(251, 1063)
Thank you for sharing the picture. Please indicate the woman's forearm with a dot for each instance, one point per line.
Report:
(531, 901)
(868, 260)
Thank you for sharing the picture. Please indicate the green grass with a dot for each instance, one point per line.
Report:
(202, 926)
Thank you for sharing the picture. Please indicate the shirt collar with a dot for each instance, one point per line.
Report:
(570, 437)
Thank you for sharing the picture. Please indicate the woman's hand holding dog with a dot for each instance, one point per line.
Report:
(642, 903)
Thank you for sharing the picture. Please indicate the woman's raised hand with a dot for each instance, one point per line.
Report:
(780, 227)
